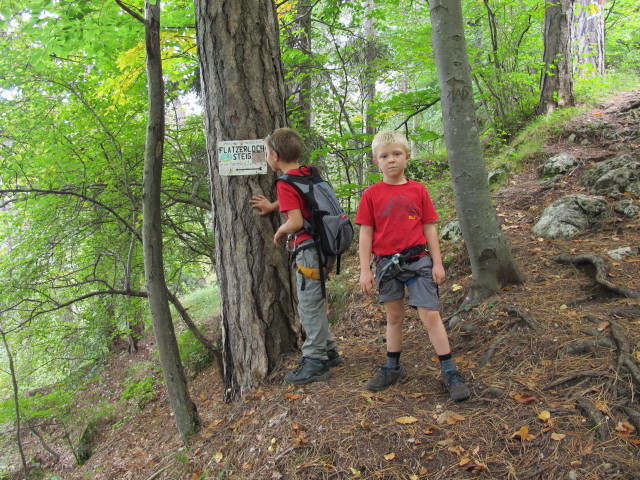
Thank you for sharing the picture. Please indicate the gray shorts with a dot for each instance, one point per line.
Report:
(417, 277)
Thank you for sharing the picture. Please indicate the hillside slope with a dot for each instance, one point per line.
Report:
(542, 358)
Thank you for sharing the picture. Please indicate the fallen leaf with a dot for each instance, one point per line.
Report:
(557, 436)
(544, 416)
(390, 456)
(355, 472)
(464, 461)
(291, 396)
(406, 420)
(523, 434)
(457, 449)
(603, 326)
(196, 474)
(413, 477)
(247, 466)
(428, 430)
(449, 417)
(603, 407)
(455, 287)
(625, 429)
(524, 399)
(218, 457)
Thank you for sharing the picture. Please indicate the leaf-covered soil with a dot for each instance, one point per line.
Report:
(550, 364)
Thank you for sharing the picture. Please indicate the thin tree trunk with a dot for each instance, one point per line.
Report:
(556, 80)
(492, 264)
(16, 402)
(588, 37)
(243, 92)
(183, 407)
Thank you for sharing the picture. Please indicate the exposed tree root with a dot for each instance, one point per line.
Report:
(492, 350)
(595, 415)
(589, 346)
(571, 378)
(524, 316)
(601, 273)
(626, 361)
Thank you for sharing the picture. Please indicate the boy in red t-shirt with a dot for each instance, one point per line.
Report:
(319, 351)
(396, 218)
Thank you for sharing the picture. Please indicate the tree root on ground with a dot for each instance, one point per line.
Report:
(596, 416)
(571, 378)
(524, 316)
(601, 273)
(588, 346)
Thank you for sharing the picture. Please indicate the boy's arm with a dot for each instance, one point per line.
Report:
(364, 252)
(431, 234)
(292, 225)
(263, 205)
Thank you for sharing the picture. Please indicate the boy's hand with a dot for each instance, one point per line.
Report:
(437, 272)
(262, 204)
(366, 282)
(280, 238)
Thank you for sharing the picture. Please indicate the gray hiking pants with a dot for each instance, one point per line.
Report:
(312, 308)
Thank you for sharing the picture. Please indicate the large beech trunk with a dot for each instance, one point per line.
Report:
(492, 265)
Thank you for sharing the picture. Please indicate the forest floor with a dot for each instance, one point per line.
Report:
(549, 400)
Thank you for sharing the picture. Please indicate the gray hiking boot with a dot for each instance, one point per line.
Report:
(309, 370)
(456, 385)
(388, 376)
(334, 358)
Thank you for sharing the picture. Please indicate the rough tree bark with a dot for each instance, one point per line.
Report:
(184, 409)
(243, 92)
(556, 79)
(588, 37)
(492, 265)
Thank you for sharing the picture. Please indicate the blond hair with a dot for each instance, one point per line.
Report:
(387, 138)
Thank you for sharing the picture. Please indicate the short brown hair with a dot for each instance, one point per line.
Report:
(387, 138)
(286, 142)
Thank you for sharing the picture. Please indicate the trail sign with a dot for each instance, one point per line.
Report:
(241, 157)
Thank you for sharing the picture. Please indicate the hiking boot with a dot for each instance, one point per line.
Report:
(334, 359)
(456, 385)
(309, 370)
(388, 376)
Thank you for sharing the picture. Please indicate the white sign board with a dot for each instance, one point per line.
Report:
(241, 157)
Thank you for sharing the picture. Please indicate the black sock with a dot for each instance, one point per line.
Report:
(446, 362)
(393, 359)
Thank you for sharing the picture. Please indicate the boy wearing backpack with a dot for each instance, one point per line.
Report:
(396, 219)
(319, 351)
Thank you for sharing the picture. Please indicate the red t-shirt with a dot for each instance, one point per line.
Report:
(290, 199)
(397, 214)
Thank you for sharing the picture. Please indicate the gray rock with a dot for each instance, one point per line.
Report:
(615, 183)
(628, 208)
(620, 253)
(569, 215)
(451, 231)
(591, 176)
(561, 163)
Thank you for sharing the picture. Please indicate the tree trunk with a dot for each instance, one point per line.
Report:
(588, 37)
(300, 86)
(16, 402)
(492, 264)
(184, 409)
(556, 80)
(243, 92)
(369, 82)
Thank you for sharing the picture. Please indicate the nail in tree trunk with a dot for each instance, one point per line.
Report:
(492, 265)
(243, 92)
